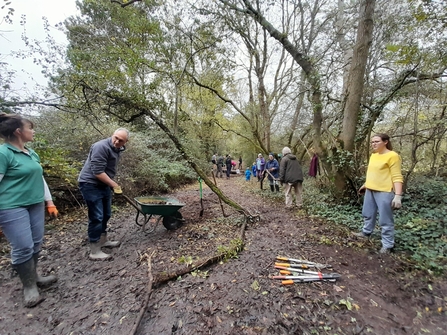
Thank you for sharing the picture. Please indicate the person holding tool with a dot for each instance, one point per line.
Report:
(23, 197)
(96, 182)
(382, 189)
(272, 170)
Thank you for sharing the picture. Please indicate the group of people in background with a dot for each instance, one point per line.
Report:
(382, 189)
(228, 162)
(286, 172)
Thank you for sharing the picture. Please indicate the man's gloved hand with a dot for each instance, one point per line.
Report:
(397, 202)
(117, 190)
(52, 211)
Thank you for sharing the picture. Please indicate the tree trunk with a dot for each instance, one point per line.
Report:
(354, 87)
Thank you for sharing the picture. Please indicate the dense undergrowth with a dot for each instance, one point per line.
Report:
(421, 223)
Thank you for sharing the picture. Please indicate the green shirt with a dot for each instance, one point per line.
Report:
(22, 183)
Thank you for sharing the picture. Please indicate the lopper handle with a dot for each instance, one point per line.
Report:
(298, 266)
(287, 282)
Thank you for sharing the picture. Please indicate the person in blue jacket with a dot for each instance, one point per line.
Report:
(272, 168)
(247, 174)
(254, 169)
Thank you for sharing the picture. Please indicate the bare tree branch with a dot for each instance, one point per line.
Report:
(125, 3)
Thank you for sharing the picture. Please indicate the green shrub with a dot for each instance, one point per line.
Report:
(56, 162)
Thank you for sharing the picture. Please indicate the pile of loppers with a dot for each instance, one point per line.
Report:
(297, 271)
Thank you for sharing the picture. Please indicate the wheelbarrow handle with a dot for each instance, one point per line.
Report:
(130, 201)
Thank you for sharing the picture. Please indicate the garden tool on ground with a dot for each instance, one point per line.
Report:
(201, 198)
(302, 261)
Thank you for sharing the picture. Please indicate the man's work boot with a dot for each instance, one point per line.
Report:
(41, 280)
(28, 277)
(272, 188)
(104, 241)
(277, 188)
(96, 254)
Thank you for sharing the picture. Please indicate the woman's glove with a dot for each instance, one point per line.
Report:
(397, 202)
(52, 211)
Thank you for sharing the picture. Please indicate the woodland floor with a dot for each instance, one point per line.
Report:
(376, 294)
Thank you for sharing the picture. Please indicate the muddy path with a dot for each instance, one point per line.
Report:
(376, 294)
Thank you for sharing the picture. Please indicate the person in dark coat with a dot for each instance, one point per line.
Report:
(220, 164)
(228, 165)
(291, 176)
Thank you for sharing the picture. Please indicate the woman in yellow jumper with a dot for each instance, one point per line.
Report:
(383, 190)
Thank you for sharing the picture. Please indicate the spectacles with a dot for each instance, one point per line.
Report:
(375, 142)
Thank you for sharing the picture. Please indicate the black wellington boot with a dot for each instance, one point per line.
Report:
(277, 188)
(41, 280)
(272, 188)
(28, 277)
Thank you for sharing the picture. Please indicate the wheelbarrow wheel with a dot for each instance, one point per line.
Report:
(173, 222)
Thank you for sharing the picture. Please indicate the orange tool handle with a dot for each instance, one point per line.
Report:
(287, 282)
(288, 265)
(285, 272)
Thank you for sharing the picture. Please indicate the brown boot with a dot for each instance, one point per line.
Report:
(41, 280)
(104, 242)
(28, 277)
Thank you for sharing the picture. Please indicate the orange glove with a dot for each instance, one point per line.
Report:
(52, 210)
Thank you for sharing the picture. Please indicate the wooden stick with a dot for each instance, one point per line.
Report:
(220, 200)
(148, 295)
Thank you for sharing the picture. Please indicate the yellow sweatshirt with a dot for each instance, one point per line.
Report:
(383, 171)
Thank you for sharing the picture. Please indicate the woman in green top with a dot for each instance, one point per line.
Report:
(23, 195)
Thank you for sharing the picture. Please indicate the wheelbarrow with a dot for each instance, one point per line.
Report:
(167, 209)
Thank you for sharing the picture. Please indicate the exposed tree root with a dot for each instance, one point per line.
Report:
(233, 249)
